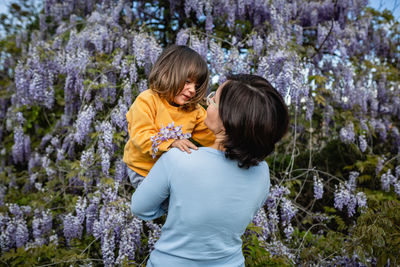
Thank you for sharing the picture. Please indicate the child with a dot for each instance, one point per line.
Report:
(168, 113)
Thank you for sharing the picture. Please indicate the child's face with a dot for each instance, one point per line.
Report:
(188, 91)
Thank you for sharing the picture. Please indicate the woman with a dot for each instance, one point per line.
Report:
(215, 191)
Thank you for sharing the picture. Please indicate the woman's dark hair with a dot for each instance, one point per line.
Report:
(174, 66)
(255, 117)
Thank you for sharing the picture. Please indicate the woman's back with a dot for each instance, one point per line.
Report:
(212, 201)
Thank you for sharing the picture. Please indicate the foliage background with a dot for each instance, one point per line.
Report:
(71, 69)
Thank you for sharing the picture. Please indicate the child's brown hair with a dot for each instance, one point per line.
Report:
(175, 65)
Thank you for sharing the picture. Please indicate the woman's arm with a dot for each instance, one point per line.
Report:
(146, 200)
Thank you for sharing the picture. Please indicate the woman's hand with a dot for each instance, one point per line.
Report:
(184, 145)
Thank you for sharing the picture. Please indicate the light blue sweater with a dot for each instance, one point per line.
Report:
(211, 203)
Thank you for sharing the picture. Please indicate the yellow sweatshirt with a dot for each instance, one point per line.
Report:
(146, 117)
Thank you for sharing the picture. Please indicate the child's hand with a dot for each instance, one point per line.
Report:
(184, 145)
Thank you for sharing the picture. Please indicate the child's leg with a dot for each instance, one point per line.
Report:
(134, 178)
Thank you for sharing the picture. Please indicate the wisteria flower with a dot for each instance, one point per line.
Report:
(318, 188)
(166, 133)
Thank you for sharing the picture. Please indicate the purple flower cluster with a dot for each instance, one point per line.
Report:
(318, 187)
(396, 137)
(276, 193)
(235, 63)
(288, 211)
(130, 241)
(120, 171)
(397, 171)
(263, 67)
(83, 122)
(167, 133)
(21, 232)
(127, 95)
(73, 224)
(351, 183)
(106, 131)
(115, 226)
(142, 85)
(261, 220)
(397, 187)
(118, 118)
(133, 75)
(182, 37)
(380, 128)
(14, 230)
(346, 261)
(108, 91)
(34, 79)
(73, 65)
(21, 149)
(146, 50)
(87, 158)
(47, 166)
(345, 195)
(108, 246)
(3, 191)
(38, 88)
(362, 143)
(200, 46)
(277, 198)
(97, 33)
(18, 147)
(22, 84)
(109, 193)
(91, 213)
(80, 209)
(257, 43)
(347, 134)
(154, 234)
(217, 54)
(388, 179)
(298, 31)
(276, 247)
(41, 226)
(105, 161)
